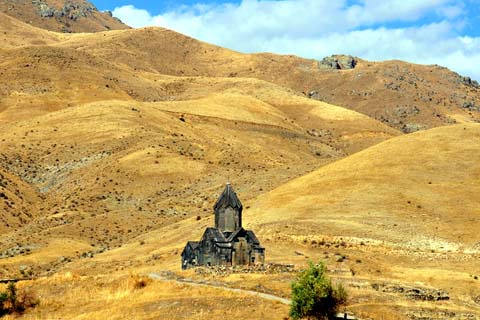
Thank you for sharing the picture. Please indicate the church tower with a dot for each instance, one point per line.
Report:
(228, 211)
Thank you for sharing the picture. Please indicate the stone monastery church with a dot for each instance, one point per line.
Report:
(228, 243)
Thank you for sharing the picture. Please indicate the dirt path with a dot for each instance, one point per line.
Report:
(266, 296)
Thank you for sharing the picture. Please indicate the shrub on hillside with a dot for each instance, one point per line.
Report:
(12, 301)
(3, 299)
(137, 282)
(313, 294)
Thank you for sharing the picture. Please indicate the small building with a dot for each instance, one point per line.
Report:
(228, 243)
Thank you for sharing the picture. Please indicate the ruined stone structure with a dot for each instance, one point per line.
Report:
(228, 243)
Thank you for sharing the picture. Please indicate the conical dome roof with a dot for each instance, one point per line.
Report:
(228, 198)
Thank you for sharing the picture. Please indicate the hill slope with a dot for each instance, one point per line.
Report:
(404, 96)
(405, 190)
(61, 15)
(18, 201)
(115, 145)
(15, 33)
(97, 135)
(400, 214)
(162, 159)
(397, 219)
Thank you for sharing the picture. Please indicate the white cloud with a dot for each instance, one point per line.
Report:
(133, 17)
(370, 29)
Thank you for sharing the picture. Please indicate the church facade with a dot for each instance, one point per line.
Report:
(228, 243)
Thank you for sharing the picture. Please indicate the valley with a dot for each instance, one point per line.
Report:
(115, 145)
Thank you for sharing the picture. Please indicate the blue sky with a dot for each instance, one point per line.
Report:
(444, 32)
(155, 7)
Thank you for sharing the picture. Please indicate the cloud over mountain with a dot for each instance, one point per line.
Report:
(426, 31)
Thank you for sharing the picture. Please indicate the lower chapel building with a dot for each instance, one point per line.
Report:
(228, 243)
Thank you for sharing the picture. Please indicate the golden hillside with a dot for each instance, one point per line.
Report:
(414, 190)
(14, 33)
(116, 144)
(18, 201)
(404, 212)
(405, 96)
(100, 140)
(374, 217)
(163, 159)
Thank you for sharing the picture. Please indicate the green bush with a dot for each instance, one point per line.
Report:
(3, 299)
(313, 294)
(13, 302)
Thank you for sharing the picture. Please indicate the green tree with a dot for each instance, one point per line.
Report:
(11, 301)
(12, 294)
(313, 294)
(3, 299)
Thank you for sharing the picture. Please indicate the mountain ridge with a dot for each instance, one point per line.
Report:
(61, 15)
(405, 96)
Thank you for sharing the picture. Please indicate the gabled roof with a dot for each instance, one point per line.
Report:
(242, 232)
(193, 244)
(217, 235)
(252, 236)
(228, 198)
(237, 233)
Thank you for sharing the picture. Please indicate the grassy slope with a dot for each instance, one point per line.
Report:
(343, 209)
(399, 94)
(18, 201)
(395, 92)
(90, 145)
(103, 139)
(14, 33)
(419, 185)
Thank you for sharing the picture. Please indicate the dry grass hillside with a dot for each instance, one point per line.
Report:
(402, 95)
(391, 237)
(115, 145)
(412, 190)
(388, 224)
(152, 164)
(18, 200)
(14, 33)
(61, 15)
(407, 209)
(104, 143)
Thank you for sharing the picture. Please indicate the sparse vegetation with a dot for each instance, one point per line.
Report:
(314, 295)
(137, 282)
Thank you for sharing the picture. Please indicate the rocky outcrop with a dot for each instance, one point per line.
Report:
(45, 11)
(338, 62)
(17, 250)
(61, 15)
(471, 106)
(414, 293)
(72, 10)
(413, 127)
(269, 268)
(439, 315)
(469, 82)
